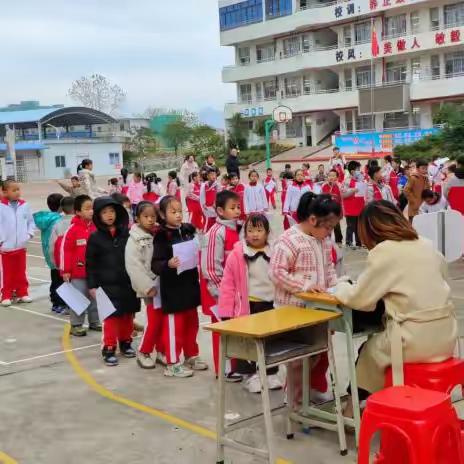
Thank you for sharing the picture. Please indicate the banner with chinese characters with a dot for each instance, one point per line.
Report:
(379, 143)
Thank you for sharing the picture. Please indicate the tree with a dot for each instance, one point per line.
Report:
(238, 131)
(205, 140)
(191, 119)
(177, 133)
(97, 92)
(143, 142)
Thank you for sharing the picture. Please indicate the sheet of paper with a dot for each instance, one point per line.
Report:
(73, 298)
(317, 189)
(157, 297)
(362, 187)
(104, 305)
(271, 186)
(187, 252)
(215, 310)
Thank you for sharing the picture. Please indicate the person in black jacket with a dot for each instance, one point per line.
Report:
(106, 268)
(180, 293)
(233, 163)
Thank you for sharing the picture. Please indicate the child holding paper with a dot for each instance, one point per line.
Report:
(106, 269)
(180, 292)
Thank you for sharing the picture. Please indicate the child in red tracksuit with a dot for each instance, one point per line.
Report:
(73, 250)
(192, 200)
(270, 186)
(353, 203)
(237, 187)
(106, 269)
(217, 245)
(208, 192)
(332, 188)
(180, 293)
(17, 227)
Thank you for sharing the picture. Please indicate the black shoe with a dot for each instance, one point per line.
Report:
(96, 327)
(109, 356)
(126, 350)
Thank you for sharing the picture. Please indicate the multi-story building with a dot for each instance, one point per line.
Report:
(315, 57)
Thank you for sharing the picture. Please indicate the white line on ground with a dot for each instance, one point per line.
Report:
(2, 363)
(38, 280)
(56, 353)
(17, 308)
(36, 243)
(35, 256)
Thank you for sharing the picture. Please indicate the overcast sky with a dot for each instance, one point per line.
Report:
(160, 54)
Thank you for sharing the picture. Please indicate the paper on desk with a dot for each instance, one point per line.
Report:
(104, 305)
(73, 298)
(187, 252)
(362, 187)
(271, 186)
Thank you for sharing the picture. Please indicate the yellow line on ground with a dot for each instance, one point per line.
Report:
(101, 390)
(5, 459)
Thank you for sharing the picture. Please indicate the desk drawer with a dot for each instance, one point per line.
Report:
(241, 348)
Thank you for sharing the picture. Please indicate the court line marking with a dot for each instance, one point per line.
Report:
(87, 377)
(5, 459)
(48, 316)
(35, 242)
(35, 256)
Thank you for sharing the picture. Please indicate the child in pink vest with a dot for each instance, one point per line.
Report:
(136, 190)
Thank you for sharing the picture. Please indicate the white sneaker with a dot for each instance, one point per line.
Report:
(25, 299)
(145, 361)
(318, 397)
(6, 303)
(161, 359)
(273, 382)
(253, 384)
(177, 370)
(196, 364)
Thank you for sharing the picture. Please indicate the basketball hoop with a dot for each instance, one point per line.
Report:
(282, 114)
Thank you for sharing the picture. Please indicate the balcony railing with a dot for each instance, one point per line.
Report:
(310, 6)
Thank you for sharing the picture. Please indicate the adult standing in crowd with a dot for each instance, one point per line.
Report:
(188, 167)
(87, 180)
(233, 163)
(418, 182)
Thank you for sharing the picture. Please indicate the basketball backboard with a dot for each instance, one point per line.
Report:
(282, 114)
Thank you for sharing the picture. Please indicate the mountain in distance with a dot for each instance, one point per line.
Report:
(212, 117)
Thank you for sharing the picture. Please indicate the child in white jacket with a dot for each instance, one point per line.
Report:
(17, 227)
(255, 200)
(139, 254)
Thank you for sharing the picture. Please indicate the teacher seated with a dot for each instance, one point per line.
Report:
(409, 275)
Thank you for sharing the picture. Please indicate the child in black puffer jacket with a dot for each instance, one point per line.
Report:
(106, 268)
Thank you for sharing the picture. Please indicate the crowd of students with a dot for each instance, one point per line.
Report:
(124, 244)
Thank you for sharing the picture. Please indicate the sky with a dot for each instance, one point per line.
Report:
(162, 55)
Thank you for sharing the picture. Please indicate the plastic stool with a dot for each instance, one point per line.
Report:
(423, 421)
(440, 376)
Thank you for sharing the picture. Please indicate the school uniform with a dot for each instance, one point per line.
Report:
(173, 189)
(208, 192)
(135, 193)
(294, 193)
(440, 205)
(270, 188)
(154, 194)
(72, 252)
(239, 189)
(192, 200)
(17, 227)
(376, 191)
(339, 165)
(255, 200)
(352, 206)
(180, 295)
(335, 192)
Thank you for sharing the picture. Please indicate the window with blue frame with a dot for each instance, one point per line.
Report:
(241, 14)
(278, 8)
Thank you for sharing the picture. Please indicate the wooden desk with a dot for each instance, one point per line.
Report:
(328, 302)
(260, 337)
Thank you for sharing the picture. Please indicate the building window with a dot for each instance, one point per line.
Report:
(414, 19)
(435, 66)
(294, 128)
(291, 46)
(60, 161)
(394, 26)
(364, 77)
(434, 18)
(364, 123)
(265, 53)
(396, 72)
(348, 75)
(305, 43)
(416, 68)
(347, 36)
(415, 116)
(114, 159)
(259, 91)
(304, 4)
(454, 63)
(395, 120)
(270, 90)
(244, 56)
(306, 85)
(278, 8)
(240, 14)
(454, 14)
(245, 93)
(292, 87)
(362, 32)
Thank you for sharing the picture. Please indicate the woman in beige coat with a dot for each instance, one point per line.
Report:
(409, 275)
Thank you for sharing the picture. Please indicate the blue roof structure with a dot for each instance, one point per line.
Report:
(13, 117)
(24, 146)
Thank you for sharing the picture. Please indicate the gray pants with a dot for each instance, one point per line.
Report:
(92, 313)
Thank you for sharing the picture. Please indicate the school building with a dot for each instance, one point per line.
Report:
(50, 142)
(344, 67)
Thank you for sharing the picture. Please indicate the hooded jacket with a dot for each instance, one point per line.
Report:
(105, 259)
(45, 220)
(139, 254)
(417, 183)
(17, 226)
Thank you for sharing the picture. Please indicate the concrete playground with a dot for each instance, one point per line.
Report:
(60, 404)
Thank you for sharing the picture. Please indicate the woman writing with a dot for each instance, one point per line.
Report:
(420, 321)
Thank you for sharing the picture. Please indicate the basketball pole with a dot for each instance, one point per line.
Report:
(268, 125)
